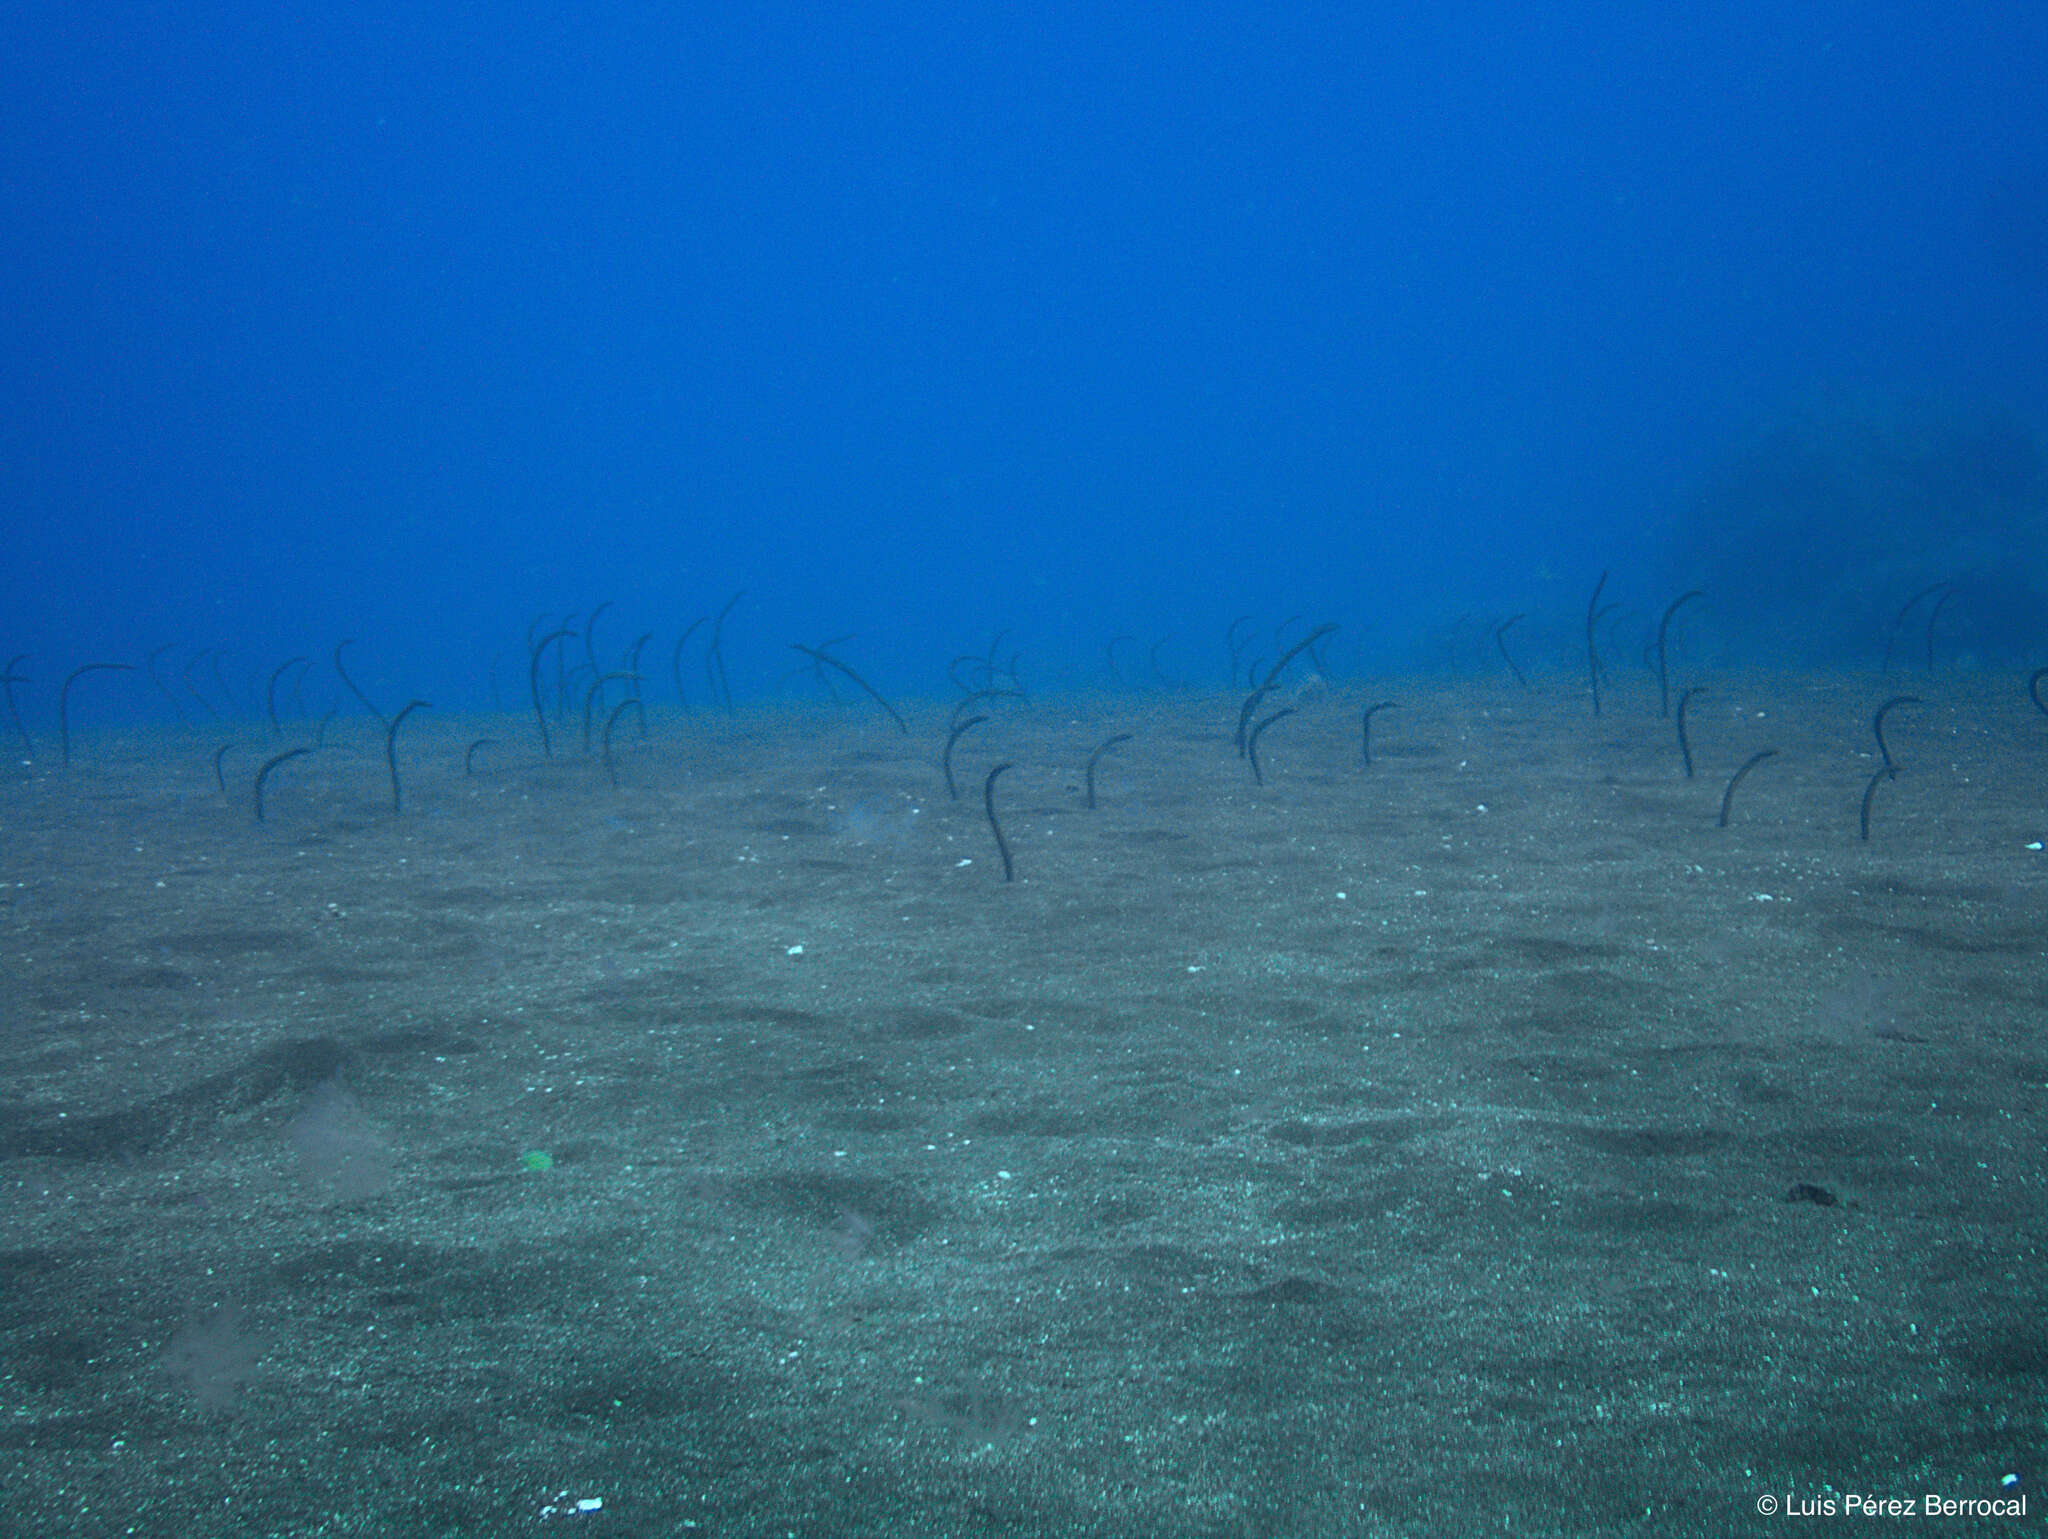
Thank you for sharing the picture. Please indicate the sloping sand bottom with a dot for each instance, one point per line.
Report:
(1482, 1141)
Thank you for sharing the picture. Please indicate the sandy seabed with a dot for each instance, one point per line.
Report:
(1479, 1141)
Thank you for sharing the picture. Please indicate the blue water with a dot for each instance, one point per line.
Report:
(415, 323)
